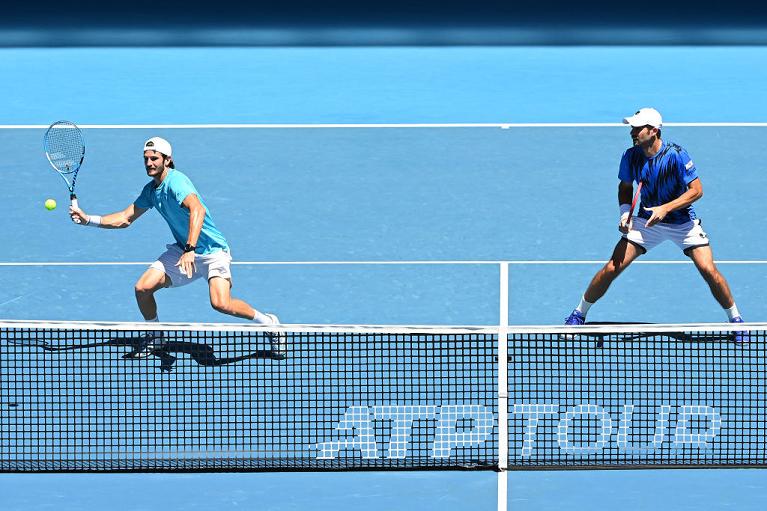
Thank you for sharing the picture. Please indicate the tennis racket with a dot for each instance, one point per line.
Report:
(635, 201)
(65, 149)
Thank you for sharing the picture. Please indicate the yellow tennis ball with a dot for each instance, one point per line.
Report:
(50, 204)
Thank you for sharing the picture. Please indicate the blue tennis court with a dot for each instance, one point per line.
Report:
(383, 186)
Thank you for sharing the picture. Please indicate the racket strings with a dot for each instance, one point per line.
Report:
(64, 146)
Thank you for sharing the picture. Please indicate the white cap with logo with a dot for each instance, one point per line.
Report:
(644, 117)
(158, 144)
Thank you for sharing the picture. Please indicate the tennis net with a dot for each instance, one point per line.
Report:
(216, 397)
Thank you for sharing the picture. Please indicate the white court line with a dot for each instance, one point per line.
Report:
(12, 300)
(371, 263)
(503, 125)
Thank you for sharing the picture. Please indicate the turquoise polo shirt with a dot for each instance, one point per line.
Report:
(167, 199)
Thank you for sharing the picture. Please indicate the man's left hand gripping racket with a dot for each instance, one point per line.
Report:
(65, 149)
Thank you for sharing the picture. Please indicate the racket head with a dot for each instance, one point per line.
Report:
(64, 147)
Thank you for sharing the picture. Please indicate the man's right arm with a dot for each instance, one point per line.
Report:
(118, 220)
(625, 192)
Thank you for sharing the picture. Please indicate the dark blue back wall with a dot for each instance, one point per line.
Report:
(384, 22)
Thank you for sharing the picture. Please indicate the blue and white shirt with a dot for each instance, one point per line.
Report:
(167, 199)
(665, 177)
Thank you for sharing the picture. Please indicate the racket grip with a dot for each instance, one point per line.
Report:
(74, 204)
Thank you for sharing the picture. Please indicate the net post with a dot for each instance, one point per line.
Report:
(503, 387)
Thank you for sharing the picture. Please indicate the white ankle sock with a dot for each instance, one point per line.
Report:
(584, 306)
(262, 318)
(732, 312)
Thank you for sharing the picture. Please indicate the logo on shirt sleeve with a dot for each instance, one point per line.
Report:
(689, 165)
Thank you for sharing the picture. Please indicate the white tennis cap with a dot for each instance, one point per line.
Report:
(645, 117)
(158, 144)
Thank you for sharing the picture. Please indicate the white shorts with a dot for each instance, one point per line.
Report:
(212, 265)
(686, 236)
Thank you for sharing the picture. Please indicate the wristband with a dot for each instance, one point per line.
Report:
(93, 221)
(625, 208)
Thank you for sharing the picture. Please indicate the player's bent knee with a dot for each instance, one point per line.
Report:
(147, 287)
(613, 268)
(222, 306)
(142, 289)
(151, 281)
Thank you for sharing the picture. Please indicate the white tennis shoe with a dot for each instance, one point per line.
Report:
(279, 340)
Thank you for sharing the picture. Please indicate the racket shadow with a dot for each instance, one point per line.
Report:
(601, 338)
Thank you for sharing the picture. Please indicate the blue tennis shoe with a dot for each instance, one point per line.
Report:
(575, 319)
(740, 336)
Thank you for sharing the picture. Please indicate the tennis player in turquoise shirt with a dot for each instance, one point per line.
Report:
(670, 185)
(200, 249)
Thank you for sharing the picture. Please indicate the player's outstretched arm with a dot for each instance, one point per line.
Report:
(118, 220)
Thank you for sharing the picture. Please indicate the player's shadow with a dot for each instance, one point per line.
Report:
(202, 353)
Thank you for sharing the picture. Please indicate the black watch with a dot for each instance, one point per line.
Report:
(189, 248)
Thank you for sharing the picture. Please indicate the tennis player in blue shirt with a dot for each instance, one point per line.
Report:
(200, 250)
(670, 185)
